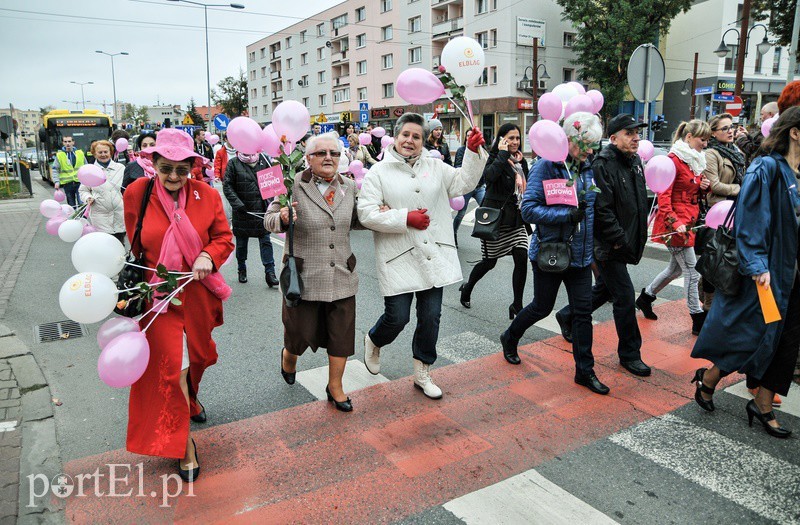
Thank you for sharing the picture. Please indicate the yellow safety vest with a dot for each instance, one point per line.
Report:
(66, 171)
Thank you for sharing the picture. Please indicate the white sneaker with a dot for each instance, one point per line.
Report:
(372, 356)
(423, 381)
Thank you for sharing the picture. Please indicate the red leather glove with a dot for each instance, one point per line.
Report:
(475, 140)
(418, 219)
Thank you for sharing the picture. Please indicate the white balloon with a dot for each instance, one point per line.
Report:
(70, 230)
(98, 252)
(88, 297)
(464, 59)
(67, 210)
(565, 92)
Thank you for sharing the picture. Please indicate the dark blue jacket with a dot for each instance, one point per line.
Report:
(767, 239)
(552, 222)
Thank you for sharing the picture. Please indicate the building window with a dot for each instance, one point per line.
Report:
(320, 29)
(252, 74)
(305, 101)
(569, 75)
(288, 63)
(484, 78)
(569, 39)
(386, 33)
(361, 40)
(289, 85)
(361, 67)
(265, 109)
(320, 53)
(388, 90)
(361, 14)
(288, 42)
(341, 95)
(321, 77)
(415, 55)
(481, 6)
(263, 71)
(776, 60)
(252, 55)
(339, 21)
(264, 91)
(254, 93)
(387, 61)
(323, 100)
(493, 38)
(254, 111)
(759, 60)
(263, 52)
(304, 80)
(730, 60)
(304, 59)
(493, 74)
(483, 39)
(362, 94)
(303, 36)
(415, 24)
(386, 5)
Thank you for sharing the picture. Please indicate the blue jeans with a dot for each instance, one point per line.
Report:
(476, 194)
(397, 314)
(545, 290)
(265, 246)
(71, 191)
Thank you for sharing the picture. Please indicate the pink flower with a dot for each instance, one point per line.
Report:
(442, 69)
(576, 125)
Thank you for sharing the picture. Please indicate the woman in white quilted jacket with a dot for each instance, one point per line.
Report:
(405, 201)
(106, 209)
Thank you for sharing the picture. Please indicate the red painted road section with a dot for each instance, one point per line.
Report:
(399, 453)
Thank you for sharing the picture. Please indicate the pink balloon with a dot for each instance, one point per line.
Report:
(597, 98)
(457, 203)
(121, 144)
(210, 173)
(59, 196)
(579, 103)
(87, 229)
(716, 215)
(124, 359)
(270, 143)
(418, 86)
(646, 150)
(766, 126)
(378, 132)
(114, 327)
(244, 134)
(49, 208)
(291, 119)
(67, 210)
(549, 141)
(365, 139)
(578, 87)
(659, 173)
(435, 154)
(91, 175)
(356, 167)
(386, 141)
(52, 225)
(213, 139)
(359, 182)
(550, 107)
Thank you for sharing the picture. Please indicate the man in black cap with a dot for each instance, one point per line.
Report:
(620, 234)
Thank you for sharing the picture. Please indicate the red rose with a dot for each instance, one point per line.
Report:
(442, 69)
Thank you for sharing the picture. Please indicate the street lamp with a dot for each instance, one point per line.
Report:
(208, 65)
(76, 102)
(723, 49)
(685, 88)
(81, 84)
(113, 79)
(525, 80)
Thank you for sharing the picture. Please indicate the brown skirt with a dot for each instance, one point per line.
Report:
(318, 324)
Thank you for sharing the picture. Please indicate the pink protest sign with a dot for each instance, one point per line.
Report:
(270, 182)
(556, 191)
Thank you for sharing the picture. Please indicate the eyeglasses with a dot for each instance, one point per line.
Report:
(724, 130)
(323, 154)
(167, 169)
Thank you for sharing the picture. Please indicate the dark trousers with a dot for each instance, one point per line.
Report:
(520, 256)
(545, 290)
(614, 284)
(397, 314)
(71, 191)
(265, 246)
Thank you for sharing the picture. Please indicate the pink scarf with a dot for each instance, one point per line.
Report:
(182, 242)
(147, 166)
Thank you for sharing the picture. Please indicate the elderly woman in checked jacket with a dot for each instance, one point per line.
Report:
(324, 204)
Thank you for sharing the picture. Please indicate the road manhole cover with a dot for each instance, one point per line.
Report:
(58, 331)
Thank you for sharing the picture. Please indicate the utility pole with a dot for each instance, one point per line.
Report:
(535, 77)
(694, 86)
(742, 50)
(793, 47)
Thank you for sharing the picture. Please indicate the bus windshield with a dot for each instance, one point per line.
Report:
(84, 127)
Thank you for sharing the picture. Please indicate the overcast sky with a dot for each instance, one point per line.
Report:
(45, 44)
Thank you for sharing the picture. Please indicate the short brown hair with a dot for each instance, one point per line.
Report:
(97, 143)
(713, 121)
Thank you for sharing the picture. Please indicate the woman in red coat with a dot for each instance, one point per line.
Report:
(185, 229)
(678, 210)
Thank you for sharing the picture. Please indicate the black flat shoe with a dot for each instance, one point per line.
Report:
(465, 293)
(705, 404)
(271, 279)
(190, 475)
(288, 377)
(201, 417)
(513, 311)
(510, 352)
(636, 367)
(566, 326)
(754, 412)
(592, 383)
(645, 304)
(242, 276)
(344, 406)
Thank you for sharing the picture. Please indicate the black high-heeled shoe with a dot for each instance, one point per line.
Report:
(510, 352)
(754, 412)
(466, 292)
(190, 475)
(288, 377)
(513, 311)
(344, 406)
(201, 417)
(707, 405)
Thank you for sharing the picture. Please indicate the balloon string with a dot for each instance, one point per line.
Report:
(163, 305)
(156, 269)
(472, 124)
(154, 284)
(650, 215)
(259, 215)
(675, 233)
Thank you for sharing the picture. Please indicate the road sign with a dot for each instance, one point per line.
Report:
(221, 122)
(363, 117)
(646, 73)
(735, 107)
(363, 106)
(707, 90)
(719, 97)
(187, 120)
(325, 128)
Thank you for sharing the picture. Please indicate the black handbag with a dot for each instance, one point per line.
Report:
(130, 275)
(554, 257)
(719, 264)
(290, 281)
(487, 223)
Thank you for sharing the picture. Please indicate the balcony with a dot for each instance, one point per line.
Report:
(439, 3)
(339, 57)
(339, 32)
(343, 80)
(444, 29)
(275, 55)
(275, 75)
(277, 95)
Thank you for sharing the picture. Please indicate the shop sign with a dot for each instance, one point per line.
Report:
(444, 107)
(524, 103)
(345, 116)
(382, 113)
(726, 84)
(398, 112)
(333, 118)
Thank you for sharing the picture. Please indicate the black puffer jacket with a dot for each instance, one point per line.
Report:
(444, 149)
(241, 189)
(500, 185)
(620, 211)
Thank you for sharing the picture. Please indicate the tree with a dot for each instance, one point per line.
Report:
(781, 19)
(231, 95)
(45, 110)
(197, 119)
(608, 33)
(135, 114)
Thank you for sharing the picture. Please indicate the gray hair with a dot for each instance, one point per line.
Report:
(408, 118)
(771, 107)
(311, 145)
(590, 127)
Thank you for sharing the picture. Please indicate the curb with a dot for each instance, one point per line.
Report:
(39, 454)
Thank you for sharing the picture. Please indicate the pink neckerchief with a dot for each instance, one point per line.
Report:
(182, 242)
(147, 166)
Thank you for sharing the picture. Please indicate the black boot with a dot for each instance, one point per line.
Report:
(466, 292)
(242, 276)
(645, 304)
(271, 279)
(697, 322)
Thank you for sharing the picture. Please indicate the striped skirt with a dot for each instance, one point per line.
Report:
(510, 237)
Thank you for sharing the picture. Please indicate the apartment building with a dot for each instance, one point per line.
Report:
(352, 53)
(158, 115)
(28, 123)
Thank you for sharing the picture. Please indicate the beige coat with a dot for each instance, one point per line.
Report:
(321, 238)
(107, 212)
(720, 172)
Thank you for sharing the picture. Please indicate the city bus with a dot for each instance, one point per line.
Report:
(84, 126)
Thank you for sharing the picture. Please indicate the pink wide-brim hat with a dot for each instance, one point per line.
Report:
(174, 144)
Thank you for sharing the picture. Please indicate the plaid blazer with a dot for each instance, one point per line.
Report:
(321, 237)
